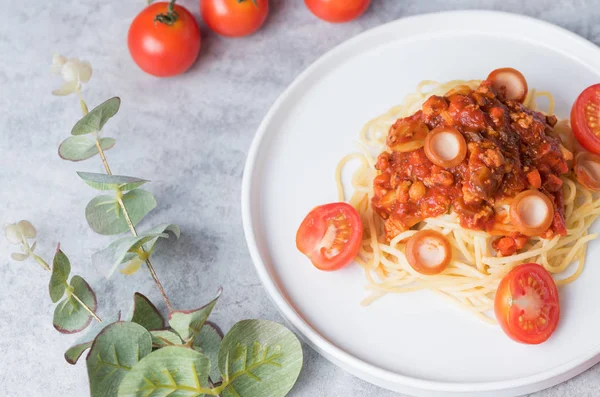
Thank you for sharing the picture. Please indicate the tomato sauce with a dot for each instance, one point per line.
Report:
(510, 148)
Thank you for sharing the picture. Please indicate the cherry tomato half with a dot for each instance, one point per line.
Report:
(337, 11)
(330, 235)
(585, 118)
(160, 48)
(527, 305)
(234, 18)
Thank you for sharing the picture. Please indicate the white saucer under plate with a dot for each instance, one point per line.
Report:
(418, 343)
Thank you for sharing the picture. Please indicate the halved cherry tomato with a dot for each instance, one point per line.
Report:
(585, 118)
(587, 170)
(527, 305)
(234, 18)
(337, 11)
(330, 235)
(162, 43)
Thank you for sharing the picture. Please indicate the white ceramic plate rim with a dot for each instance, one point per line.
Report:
(312, 337)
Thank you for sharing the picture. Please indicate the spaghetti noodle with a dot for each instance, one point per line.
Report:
(473, 275)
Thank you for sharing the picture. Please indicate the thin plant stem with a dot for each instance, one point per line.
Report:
(86, 307)
(128, 218)
(41, 262)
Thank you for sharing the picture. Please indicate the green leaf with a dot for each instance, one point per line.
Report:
(259, 358)
(188, 323)
(69, 316)
(78, 148)
(116, 350)
(61, 269)
(104, 215)
(85, 342)
(74, 352)
(97, 117)
(165, 337)
(146, 314)
(118, 251)
(208, 342)
(162, 228)
(171, 371)
(111, 182)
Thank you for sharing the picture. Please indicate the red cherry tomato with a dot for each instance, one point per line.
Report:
(527, 305)
(234, 18)
(585, 118)
(330, 235)
(160, 48)
(337, 11)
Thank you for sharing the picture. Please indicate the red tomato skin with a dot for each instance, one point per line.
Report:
(337, 11)
(313, 228)
(164, 50)
(232, 19)
(503, 310)
(581, 131)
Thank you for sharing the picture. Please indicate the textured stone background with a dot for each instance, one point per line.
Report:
(189, 135)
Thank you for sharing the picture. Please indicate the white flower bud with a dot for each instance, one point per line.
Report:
(27, 229)
(70, 70)
(13, 233)
(57, 63)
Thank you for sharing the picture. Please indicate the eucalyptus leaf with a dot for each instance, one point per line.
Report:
(171, 371)
(119, 250)
(85, 342)
(61, 269)
(69, 316)
(208, 343)
(164, 337)
(146, 314)
(116, 350)
(97, 117)
(259, 358)
(111, 182)
(188, 323)
(79, 148)
(163, 228)
(104, 215)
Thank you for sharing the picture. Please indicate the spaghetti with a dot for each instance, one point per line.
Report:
(473, 275)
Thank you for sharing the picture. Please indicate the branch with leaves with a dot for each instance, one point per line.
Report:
(185, 355)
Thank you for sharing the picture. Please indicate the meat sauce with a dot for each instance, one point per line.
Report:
(510, 148)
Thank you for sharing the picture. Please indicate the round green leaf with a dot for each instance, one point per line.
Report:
(161, 229)
(69, 316)
(164, 337)
(104, 215)
(61, 269)
(208, 342)
(259, 358)
(172, 371)
(97, 117)
(116, 350)
(78, 148)
(111, 182)
(188, 323)
(146, 314)
(84, 342)
(118, 251)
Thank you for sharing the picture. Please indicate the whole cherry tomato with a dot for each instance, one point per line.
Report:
(234, 18)
(164, 40)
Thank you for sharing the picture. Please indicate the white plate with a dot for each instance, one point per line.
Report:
(416, 343)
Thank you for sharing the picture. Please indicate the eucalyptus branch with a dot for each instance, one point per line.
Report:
(139, 356)
(125, 212)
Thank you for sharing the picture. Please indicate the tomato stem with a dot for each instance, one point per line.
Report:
(168, 18)
(253, 1)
